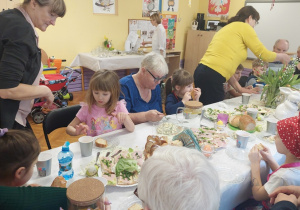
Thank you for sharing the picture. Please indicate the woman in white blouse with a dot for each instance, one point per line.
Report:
(159, 36)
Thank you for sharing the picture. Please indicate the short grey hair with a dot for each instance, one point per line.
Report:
(58, 7)
(178, 178)
(155, 62)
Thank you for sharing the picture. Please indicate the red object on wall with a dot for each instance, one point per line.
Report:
(218, 7)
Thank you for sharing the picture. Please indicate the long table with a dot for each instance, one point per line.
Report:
(231, 194)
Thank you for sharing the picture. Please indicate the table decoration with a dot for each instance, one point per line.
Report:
(274, 80)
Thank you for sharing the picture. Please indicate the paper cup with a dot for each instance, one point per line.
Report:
(86, 145)
(44, 164)
(260, 86)
(245, 98)
(252, 112)
(242, 139)
(272, 126)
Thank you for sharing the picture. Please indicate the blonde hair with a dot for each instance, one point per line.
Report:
(156, 18)
(104, 81)
(58, 7)
(259, 62)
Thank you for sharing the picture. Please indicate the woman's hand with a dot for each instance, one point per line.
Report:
(81, 129)
(249, 87)
(283, 58)
(187, 96)
(254, 155)
(153, 116)
(197, 93)
(288, 190)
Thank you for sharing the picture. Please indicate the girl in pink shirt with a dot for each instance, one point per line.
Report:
(103, 112)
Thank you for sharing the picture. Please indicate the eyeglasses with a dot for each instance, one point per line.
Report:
(156, 79)
(256, 22)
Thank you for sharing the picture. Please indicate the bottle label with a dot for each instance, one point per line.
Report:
(65, 166)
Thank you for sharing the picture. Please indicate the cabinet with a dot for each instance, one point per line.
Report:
(196, 45)
(173, 60)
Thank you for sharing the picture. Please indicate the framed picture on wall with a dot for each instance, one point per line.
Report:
(108, 7)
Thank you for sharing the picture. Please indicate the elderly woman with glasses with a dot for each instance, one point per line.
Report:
(226, 51)
(20, 58)
(141, 91)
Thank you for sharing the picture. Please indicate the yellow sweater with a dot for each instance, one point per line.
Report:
(229, 46)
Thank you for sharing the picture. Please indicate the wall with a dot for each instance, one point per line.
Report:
(81, 30)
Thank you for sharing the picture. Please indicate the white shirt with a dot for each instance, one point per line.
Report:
(159, 40)
(283, 177)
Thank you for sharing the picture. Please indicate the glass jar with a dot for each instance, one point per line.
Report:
(86, 193)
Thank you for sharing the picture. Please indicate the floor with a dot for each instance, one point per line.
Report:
(58, 137)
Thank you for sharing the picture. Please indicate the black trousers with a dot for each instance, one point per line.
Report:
(211, 84)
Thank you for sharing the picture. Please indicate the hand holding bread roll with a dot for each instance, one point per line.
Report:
(59, 182)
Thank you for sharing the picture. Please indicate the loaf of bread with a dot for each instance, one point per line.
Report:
(243, 122)
(247, 123)
(260, 146)
(102, 143)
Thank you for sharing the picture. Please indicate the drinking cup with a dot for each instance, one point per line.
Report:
(260, 86)
(272, 126)
(86, 145)
(223, 118)
(245, 98)
(252, 112)
(242, 139)
(44, 164)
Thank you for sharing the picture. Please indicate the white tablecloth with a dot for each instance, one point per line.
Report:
(95, 63)
(231, 194)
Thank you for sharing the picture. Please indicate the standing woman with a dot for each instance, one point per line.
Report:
(226, 51)
(159, 36)
(20, 59)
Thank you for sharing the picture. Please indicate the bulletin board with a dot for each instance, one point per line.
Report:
(145, 29)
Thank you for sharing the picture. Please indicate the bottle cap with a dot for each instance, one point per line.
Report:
(65, 147)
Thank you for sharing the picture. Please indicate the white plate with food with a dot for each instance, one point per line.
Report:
(131, 203)
(265, 136)
(121, 167)
(212, 114)
(104, 143)
(261, 109)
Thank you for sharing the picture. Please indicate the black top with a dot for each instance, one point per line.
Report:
(20, 59)
(284, 205)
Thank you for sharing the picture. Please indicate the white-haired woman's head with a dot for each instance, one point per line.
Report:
(155, 63)
(178, 178)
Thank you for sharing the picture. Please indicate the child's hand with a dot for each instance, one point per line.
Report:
(266, 154)
(254, 155)
(121, 116)
(197, 92)
(187, 96)
(249, 87)
(81, 129)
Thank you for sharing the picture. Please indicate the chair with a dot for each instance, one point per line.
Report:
(58, 118)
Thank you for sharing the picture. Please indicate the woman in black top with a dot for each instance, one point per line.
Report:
(20, 58)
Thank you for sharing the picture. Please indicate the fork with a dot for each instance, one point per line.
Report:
(98, 153)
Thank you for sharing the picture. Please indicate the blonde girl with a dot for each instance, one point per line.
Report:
(179, 89)
(103, 112)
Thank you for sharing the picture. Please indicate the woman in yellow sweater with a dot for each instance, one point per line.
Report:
(226, 51)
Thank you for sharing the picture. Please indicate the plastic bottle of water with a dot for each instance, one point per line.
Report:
(65, 157)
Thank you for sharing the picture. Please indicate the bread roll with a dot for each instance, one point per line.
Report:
(59, 182)
(135, 206)
(234, 120)
(247, 123)
(260, 146)
(102, 143)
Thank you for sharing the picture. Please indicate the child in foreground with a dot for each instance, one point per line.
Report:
(103, 112)
(288, 143)
(19, 151)
(179, 90)
(258, 68)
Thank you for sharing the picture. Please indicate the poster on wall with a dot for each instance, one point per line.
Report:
(170, 5)
(169, 23)
(108, 7)
(143, 28)
(150, 7)
(218, 7)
